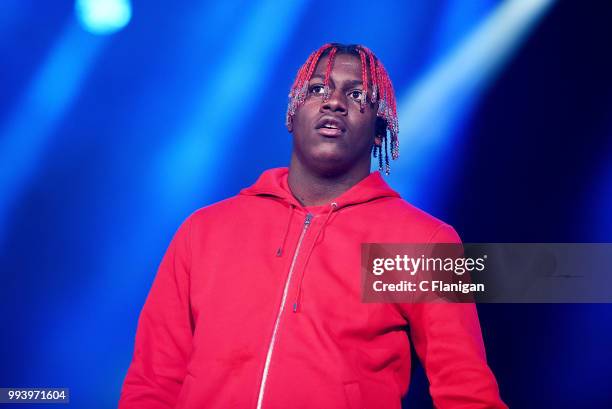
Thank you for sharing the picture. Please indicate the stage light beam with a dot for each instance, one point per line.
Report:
(103, 17)
(434, 109)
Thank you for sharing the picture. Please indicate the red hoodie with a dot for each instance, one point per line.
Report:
(256, 304)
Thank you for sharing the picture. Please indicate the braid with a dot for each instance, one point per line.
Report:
(299, 89)
(373, 75)
(364, 79)
(387, 166)
(330, 62)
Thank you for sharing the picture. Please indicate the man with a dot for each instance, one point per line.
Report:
(256, 303)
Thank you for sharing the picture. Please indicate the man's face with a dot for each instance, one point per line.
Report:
(334, 135)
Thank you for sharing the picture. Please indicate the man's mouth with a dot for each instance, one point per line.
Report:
(330, 126)
(329, 131)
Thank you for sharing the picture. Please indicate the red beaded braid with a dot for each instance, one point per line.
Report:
(381, 87)
(298, 92)
(330, 62)
(364, 79)
(301, 74)
(373, 74)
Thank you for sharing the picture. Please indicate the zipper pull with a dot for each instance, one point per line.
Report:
(307, 221)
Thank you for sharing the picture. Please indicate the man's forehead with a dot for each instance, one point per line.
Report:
(346, 62)
(340, 59)
(351, 81)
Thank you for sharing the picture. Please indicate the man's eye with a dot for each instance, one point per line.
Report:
(317, 89)
(356, 94)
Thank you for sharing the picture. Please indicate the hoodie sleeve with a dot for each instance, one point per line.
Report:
(448, 340)
(163, 336)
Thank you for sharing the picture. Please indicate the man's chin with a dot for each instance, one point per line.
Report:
(326, 157)
(330, 164)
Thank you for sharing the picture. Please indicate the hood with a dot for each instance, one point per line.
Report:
(273, 182)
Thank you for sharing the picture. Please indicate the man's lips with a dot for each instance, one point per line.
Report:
(330, 126)
(331, 132)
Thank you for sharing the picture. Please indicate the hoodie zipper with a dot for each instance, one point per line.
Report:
(264, 376)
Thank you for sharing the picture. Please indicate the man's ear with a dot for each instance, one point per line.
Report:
(381, 131)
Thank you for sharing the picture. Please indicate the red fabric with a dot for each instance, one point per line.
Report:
(204, 331)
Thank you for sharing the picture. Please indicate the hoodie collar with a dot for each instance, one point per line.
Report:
(273, 182)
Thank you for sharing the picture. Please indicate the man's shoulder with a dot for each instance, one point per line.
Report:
(407, 218)
(223, 208)
(401, 208)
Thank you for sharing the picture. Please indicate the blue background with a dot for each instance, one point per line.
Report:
(108, 142)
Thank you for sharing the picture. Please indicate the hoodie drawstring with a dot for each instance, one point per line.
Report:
(279, 251)
(333, 206)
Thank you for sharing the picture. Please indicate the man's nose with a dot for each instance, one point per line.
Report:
(336, 102)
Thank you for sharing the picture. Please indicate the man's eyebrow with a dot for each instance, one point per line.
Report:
(349, 83)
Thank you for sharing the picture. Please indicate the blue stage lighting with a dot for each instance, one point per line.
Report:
(44, 103)
(103, 16)
(433, 110)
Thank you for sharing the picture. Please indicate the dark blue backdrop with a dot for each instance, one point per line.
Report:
(107, 142)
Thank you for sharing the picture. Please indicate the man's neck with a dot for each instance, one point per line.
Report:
(313, 189)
